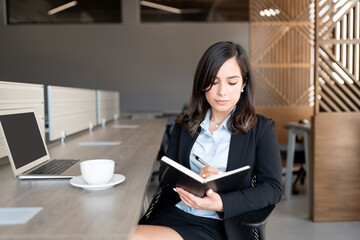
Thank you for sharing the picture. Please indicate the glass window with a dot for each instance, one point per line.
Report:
(63, 11)
(194, 10)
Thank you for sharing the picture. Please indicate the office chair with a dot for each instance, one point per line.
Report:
(257, 220)
(164, 144)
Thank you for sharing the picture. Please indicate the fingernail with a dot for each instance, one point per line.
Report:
(210, 191)
(175, 189)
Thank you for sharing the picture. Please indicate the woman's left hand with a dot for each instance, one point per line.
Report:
(211, 201)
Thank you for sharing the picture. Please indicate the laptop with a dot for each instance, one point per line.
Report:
(28, 155)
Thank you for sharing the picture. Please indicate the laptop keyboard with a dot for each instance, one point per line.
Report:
(54, 167)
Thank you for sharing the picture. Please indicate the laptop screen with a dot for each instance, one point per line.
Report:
(23, 137)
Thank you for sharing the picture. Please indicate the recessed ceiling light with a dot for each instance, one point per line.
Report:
(161, 7)
(62, 7)
(269, 12)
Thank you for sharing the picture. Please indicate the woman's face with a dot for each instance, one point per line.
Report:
(224, 94)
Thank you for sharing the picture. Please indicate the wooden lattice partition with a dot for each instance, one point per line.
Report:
(281, 52)
(337, 56)
(335, 164)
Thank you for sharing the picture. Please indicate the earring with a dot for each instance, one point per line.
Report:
(242, 90)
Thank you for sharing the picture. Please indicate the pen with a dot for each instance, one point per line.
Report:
(200, 160)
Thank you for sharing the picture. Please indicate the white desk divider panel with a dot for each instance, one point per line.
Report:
(70, 110)
(107, 106)
(22, 95)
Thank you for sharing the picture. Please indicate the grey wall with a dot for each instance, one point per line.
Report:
(152, 65)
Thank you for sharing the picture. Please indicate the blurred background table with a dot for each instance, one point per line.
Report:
(295, 129)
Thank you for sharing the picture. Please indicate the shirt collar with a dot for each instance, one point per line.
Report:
(205, 123)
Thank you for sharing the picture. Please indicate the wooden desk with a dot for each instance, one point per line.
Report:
(144, 114)
(74, 213)
(294, 129)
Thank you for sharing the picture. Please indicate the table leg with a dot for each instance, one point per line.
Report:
(289, 163)
(307, 161)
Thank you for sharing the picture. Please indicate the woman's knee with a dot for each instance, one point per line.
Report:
(139, 233)
(149, 232)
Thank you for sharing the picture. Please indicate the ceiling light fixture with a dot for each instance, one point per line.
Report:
(269, 12)
(62, 7)
(161, 7)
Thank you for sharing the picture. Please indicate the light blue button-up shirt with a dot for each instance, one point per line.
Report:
(213, 149)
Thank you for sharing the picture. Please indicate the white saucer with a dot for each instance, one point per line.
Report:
(80, 182)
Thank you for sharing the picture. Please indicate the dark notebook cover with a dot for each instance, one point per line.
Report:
(179, 176)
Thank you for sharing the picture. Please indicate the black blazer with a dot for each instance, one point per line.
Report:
(258, 148)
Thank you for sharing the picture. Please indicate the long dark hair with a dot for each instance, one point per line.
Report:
(244, 116)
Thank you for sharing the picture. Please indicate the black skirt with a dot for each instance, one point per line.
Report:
(190, 226)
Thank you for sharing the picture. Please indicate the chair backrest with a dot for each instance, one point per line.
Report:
(257, 219)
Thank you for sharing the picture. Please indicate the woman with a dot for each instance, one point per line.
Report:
(220, 127)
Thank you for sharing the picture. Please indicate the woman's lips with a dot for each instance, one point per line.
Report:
(222, 102)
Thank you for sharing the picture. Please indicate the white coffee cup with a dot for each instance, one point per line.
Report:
(97, 171)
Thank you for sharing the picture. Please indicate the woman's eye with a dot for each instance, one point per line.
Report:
(215, 83)
(232, 83)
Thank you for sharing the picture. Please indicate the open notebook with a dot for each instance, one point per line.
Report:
(27, 151)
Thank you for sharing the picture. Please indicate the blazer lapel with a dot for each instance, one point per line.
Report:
(238, 147)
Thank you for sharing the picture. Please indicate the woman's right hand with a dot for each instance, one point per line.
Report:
(209, 171)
